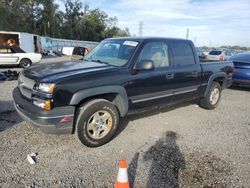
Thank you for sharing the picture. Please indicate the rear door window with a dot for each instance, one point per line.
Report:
(215, 52)
(183, 53)
(157, 52)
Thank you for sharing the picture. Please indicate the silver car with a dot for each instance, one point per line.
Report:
(219, 55)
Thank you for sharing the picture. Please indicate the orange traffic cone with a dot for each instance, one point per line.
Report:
(122, 178)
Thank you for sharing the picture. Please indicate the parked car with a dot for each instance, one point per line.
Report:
(219, 55)
(241, 73)
(202, 56)
(11, 55)
(77, 52)
(119, 76)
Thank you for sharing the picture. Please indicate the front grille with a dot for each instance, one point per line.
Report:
(25, 85)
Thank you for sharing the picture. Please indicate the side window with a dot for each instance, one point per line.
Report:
(183, 53)
(5, 51)
(157, 52)
(81, 51)
(12, 51)
(78, 51)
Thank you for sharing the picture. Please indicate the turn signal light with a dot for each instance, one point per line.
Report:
(47, 105)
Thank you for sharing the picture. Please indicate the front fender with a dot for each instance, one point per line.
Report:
(120, 101)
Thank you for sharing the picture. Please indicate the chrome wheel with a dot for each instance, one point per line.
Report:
(214, 96)
(99, 124)
(25, 63)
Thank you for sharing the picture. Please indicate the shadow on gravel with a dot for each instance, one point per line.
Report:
(8, 117)
(167, 160)
(240, 88)
(132, 169)
(144, 113)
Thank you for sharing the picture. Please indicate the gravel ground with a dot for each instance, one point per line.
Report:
(185, 146)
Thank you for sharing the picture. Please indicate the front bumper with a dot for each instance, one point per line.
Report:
(56, 121)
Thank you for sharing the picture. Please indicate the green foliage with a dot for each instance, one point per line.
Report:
(43, 17)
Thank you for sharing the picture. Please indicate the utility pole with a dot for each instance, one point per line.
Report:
(85, 7)
(140, 28)
(53, 25)
(187, 33)
(195, 40)
(33, 17)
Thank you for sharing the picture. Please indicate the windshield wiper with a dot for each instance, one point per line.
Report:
(99, 61)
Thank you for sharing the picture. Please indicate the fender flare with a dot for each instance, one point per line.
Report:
(120, 101)
(214, 76)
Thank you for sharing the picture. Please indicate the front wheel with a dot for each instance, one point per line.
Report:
(212, 98)
(97, 122)
(25, 63)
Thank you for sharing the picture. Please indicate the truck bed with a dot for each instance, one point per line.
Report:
(210, 68)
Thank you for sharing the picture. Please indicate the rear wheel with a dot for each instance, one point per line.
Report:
(97, 122)
(24, 63)
(212, 98)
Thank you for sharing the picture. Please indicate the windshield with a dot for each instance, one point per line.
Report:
(116, 52)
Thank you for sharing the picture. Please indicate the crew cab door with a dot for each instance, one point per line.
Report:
(152, 87)
(187, 71)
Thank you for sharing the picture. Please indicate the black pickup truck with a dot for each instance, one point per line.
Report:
(120, 75)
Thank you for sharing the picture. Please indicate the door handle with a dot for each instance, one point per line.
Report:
(170, 76)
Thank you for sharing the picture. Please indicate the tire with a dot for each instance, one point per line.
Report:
(210, 102)
(25, 63)
(91, 120)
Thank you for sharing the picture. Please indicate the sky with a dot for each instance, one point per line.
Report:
(210, 22)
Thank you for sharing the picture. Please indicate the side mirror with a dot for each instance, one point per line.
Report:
(145, 64)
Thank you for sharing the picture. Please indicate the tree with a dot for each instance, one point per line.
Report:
(44, 18)
(71, 19)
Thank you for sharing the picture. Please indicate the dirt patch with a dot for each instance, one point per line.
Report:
(207, 171)
(7, 119)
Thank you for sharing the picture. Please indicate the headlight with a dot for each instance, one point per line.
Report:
(46, 87)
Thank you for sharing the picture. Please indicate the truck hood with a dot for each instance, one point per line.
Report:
(56, 71)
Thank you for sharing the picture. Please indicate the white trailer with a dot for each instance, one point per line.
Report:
(34, 43)
(26, 41)
(59, 44)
